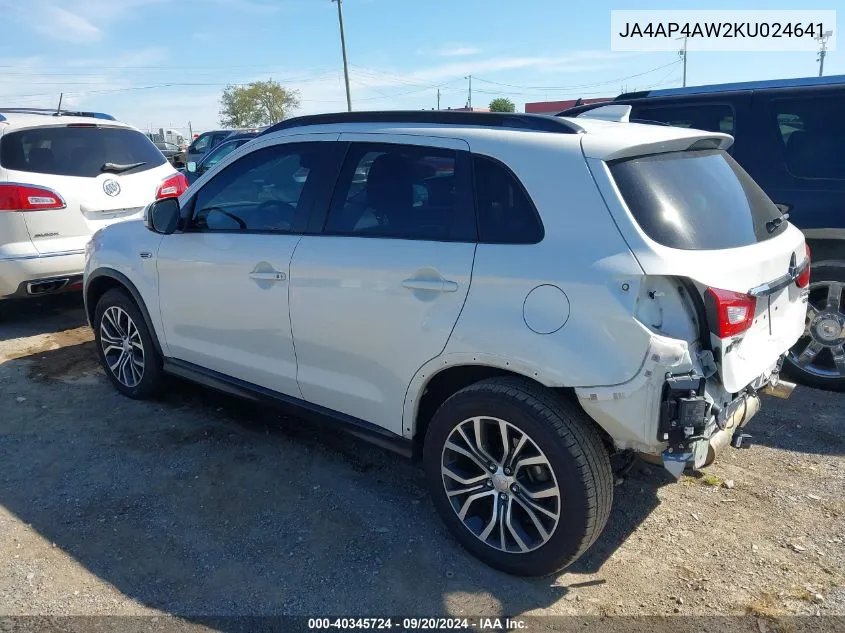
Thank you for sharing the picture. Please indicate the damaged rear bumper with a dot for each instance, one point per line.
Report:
(676, 409)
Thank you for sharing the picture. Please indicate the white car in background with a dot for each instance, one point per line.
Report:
(63, 176)
(513, 297)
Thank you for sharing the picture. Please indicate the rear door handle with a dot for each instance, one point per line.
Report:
(271, 276)
(432, 285)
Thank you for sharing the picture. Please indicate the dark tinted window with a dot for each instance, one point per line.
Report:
(401, 191)
(77, 151)
(695, 200)
(812, 133)
(713, 118)
(506, 215)
(261, 191)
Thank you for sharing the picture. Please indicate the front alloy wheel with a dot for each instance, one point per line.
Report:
(123, 349)
(500, 484)
(125, 345)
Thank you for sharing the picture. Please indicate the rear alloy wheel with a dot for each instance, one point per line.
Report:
(520, 477)
(818, 359)
(125, 346)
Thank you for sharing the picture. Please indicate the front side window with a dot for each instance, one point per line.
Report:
(696, 200)
(401, 191)
(812, 135)
(262, 191)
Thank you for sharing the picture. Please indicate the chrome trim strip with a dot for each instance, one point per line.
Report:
(81, 251)
(780, 283)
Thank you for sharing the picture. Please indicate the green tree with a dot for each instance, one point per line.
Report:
(258, 103)
(502, 104)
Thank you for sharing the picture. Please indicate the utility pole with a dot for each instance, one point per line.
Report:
(469, 99)
(62, 94)
(683, 55)
(343, 48)
(438, 98)
(822, 40)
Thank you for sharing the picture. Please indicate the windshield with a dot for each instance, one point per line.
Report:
(77, 151)
(696, 200)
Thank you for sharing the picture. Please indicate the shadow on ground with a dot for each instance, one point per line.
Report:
(46, 315)
(198, 504)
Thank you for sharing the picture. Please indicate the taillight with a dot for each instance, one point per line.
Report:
(729, 313)
(173, 187)
(803, 280)
(14, 197)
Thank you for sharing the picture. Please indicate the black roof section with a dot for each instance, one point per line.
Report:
(54, 112)
(535, 122)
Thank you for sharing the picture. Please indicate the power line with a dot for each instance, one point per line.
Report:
(577, 87)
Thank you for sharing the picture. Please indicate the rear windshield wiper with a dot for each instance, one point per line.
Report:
(119, 168)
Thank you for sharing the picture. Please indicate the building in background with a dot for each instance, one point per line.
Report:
(553, 107)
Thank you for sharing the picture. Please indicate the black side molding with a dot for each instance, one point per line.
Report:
(315, 413)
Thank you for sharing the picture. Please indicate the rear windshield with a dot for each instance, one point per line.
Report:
(77, 151)
(696, 200)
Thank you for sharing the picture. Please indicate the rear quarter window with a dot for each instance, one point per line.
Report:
(77, 151)
(696, 200)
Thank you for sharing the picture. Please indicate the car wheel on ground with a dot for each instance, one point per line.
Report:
(125, 346)
(521, 477)
(818, 359)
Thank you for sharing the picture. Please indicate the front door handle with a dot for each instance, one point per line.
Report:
(432, 285)
(270, 276)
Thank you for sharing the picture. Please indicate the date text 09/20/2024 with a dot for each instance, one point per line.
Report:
(418, 624)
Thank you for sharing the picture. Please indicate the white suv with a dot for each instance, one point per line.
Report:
(514, 297)
(63, 175)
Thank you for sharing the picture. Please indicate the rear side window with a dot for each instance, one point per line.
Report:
(696, 200)
(404, 192)
(710, 117)
(812, 133)
(77, 151)
(506, 214)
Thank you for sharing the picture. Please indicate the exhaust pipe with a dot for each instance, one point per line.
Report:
(738, 419)
(781, 389)
(46, 285)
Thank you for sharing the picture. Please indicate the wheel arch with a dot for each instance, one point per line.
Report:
(100, 282)
(441, 378)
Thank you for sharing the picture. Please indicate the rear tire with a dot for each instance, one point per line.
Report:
(818, 366)
(562, 452)
(125, 346)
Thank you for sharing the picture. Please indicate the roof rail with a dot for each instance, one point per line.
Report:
(799, 82)
(535, 122)
(54, 112)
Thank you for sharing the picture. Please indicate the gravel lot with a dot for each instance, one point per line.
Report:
(199, 504)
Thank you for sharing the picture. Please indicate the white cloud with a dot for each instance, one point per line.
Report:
(457, 51)
(61, 24)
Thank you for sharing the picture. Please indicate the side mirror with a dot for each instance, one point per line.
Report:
(162, 216)
(191, 167)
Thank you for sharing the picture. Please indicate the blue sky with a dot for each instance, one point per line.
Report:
(164, 62)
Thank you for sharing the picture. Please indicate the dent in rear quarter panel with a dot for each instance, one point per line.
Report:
(118, 247)
(582, 253)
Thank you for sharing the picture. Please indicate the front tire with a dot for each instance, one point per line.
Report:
(125, 346)
(818, 359)
(521, 477)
